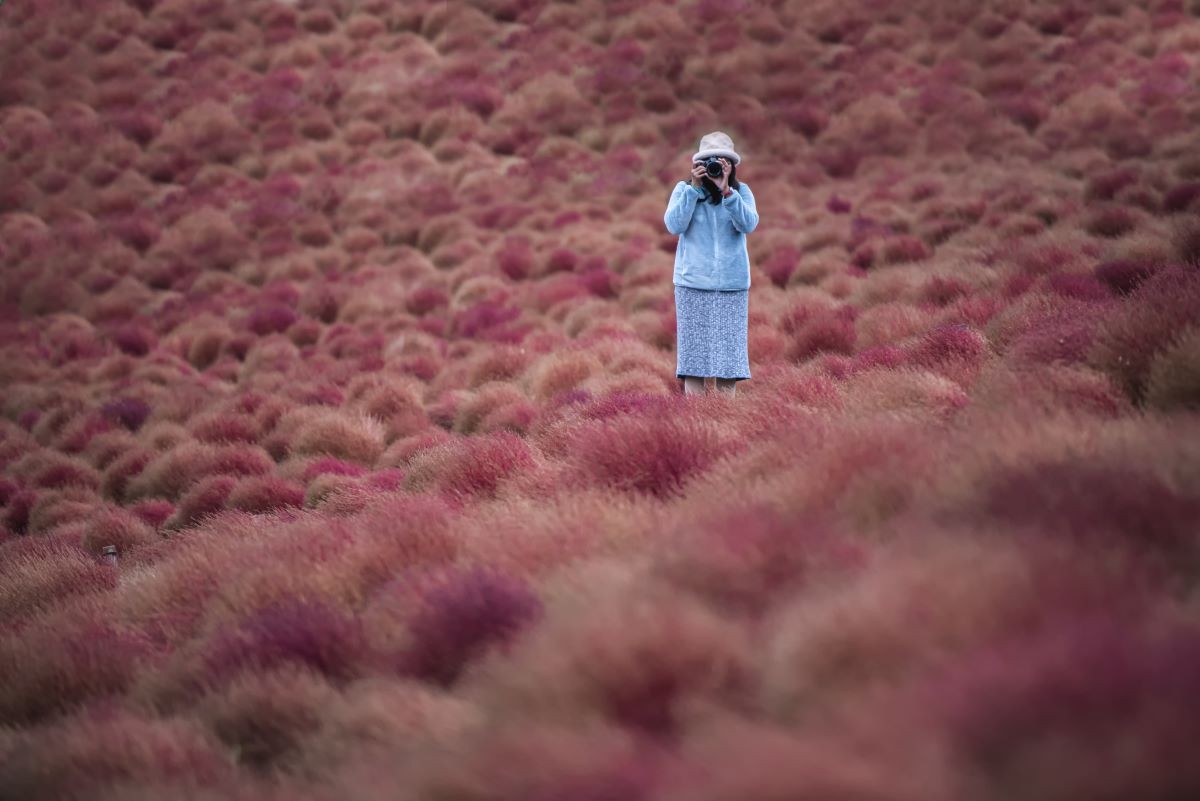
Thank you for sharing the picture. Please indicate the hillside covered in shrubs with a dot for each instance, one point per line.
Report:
(350, 326)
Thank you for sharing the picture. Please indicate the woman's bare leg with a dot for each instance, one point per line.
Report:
(728, 386)
(693, 385)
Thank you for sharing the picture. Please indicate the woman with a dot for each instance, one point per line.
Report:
(712, 269)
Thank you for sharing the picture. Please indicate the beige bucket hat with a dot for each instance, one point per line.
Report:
(717, 143)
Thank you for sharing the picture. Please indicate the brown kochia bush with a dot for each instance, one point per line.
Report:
(560, 372)
(351, 436)
(205, 239)
(208, 132)
(635, 656)
(1174, 379)
(86, 754)
(396, 402)
(1128, 341)
(487, 401)
(62, 507)
(264, 716)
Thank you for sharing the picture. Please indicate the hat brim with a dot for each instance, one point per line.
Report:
(703, 154)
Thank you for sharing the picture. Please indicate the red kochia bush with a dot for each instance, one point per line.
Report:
(206, 497)
(264, 493)
(130, 413)
(952, 349)
(460, 615)
(469, 466)
(652, 455)
(819, 330)
(751, 555)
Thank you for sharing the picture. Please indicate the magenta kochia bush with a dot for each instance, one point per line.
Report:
(270, 318)
(291, 631)
(461, 614)
(1122, 277)
(1099, 504)
(1114, 701)
(488, 319)
(330, 465)
(129, 412)
(133, 339)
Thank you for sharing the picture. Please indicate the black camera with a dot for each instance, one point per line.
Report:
(712, 165)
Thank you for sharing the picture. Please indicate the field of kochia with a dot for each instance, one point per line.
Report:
(350, 326)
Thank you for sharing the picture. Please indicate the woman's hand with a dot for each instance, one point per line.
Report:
(723, 182)
(698, 174)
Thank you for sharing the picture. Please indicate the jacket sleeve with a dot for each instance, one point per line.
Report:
(741, 208)
(680, 207)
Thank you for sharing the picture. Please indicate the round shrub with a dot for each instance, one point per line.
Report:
(264, 494)
(460, 614)
(206, 497)
(116, 526)
(470, 466)
(354, 438)
(1173, 383)
(651, 455)
(291, 631)
(1129, 339)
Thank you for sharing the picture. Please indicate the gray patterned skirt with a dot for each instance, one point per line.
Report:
(710, 332)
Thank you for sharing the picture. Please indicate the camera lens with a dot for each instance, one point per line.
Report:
(713, 167)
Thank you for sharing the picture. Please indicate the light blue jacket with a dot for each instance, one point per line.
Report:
(711, 253)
